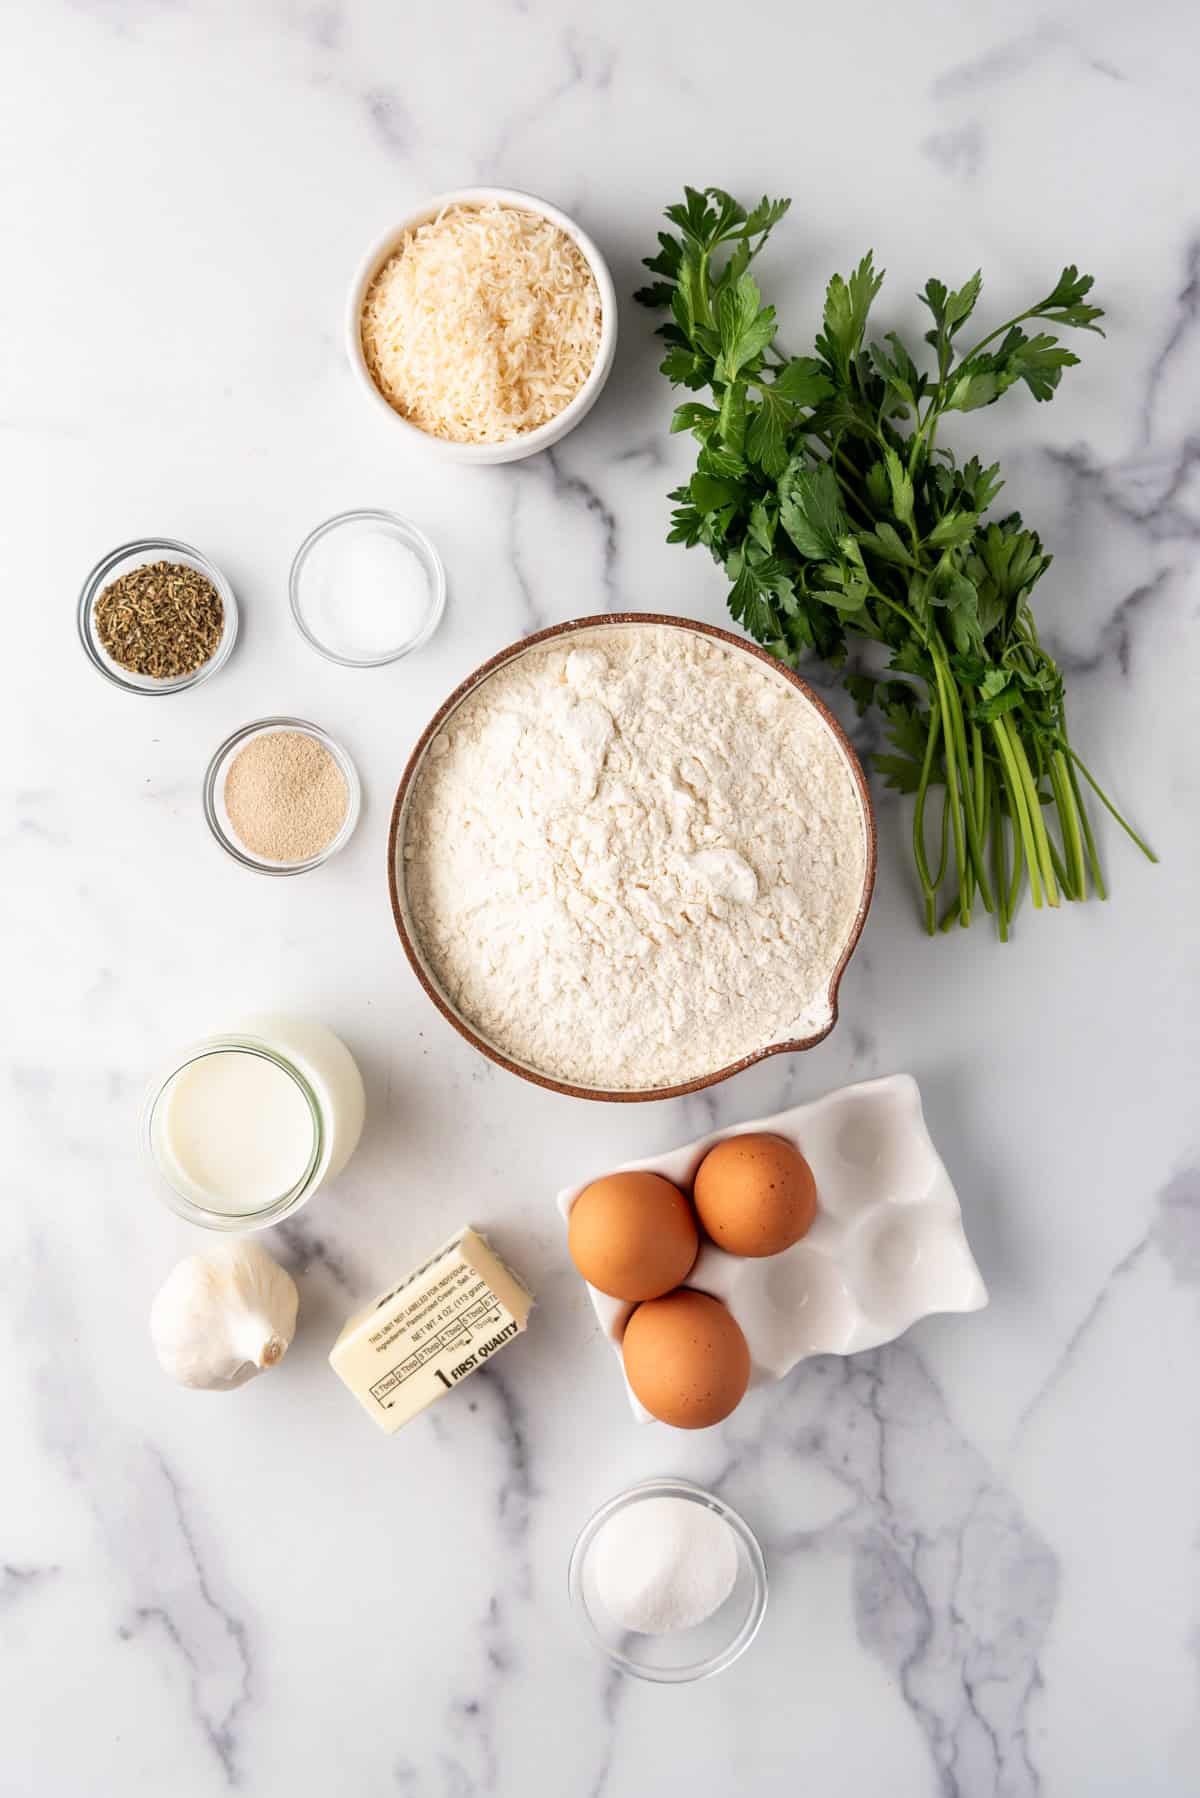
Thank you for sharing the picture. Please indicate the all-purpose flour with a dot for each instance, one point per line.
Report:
(634, 857)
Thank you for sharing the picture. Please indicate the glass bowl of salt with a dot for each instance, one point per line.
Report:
(668, 1582)
(366, 588)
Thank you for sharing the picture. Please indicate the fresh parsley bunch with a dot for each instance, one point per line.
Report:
(821, 489)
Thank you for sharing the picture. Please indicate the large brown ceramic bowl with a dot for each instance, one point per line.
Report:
(822, 1021)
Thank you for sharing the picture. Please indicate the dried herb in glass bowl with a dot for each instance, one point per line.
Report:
(162, 620)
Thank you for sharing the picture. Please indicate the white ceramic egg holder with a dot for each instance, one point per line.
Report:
(887, 1245)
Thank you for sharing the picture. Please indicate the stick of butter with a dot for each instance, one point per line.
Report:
(427, 1334)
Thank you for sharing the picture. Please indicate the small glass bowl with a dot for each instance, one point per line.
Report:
(218, 819)
(688, 1654)
(122, 561)
(303, 599)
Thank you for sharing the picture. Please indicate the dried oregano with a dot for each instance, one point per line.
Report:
(163, 620)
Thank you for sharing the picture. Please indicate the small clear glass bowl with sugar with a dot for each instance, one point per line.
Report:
(678, 1656)
(366, 588)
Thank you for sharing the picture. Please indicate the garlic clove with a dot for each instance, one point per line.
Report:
(223, 1317)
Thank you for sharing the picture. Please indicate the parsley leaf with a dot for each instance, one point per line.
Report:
(803, 382)
(905, 383)
(810, 509)
(745, 327)
(1038, 361)
(685, 369)
(958, 527)
(766, 434)
(847, 303)
(900, 486)
(950, 312)
(1064, 305)
(710, 492)
(886, 541)
(700, 420)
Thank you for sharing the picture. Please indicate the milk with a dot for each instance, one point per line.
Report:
(252, 1123)
(236, 1132)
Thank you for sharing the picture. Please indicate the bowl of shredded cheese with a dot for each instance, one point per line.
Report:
(484, 325)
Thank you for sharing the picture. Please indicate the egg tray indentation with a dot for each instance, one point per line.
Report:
(887, 1246)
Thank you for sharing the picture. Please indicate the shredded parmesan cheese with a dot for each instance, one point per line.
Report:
(483, 325)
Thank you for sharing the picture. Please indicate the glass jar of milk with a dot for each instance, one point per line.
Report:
(244, 1128)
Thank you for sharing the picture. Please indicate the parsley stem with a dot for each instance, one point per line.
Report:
(1072, 841)
(951, 762)
(853, 499)
(843, 464)
(985, 800)
(981, 809)
(894, 605)
(1022, 824)
(957, 735)
(1108, 805)
(1089, 839)
(1018, 870)
(999, 858)
(1040, 836)
(928, 886)
(1056, 862)
(944, 841)
(704, 287)
(998, 332)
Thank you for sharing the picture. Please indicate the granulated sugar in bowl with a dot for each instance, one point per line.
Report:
(664, 1565)
(668, 1582)
(281, 796)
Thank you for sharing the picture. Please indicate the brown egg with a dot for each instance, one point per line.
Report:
(633, 1236)
(755, 1195)
(686, 1359)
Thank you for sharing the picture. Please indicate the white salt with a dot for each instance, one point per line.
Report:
(365, 592)
(663, 1564)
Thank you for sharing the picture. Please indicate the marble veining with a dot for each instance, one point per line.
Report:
(1187, 316)
(15, 1582)
(390, 119)
(1115, 640)
(981, 1539)
(1175, 1232)
(544, 496)
(1004, 63)
(586, 63)
(945, 1568)
(209, 1638)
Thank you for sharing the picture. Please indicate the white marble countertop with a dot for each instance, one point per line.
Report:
(982, 1540)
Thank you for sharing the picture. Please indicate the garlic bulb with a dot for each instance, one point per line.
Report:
(224, 1316)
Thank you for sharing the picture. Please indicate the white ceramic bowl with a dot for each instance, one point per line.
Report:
(529, 442)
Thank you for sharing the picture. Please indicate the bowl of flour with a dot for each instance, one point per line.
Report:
(630, 856)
